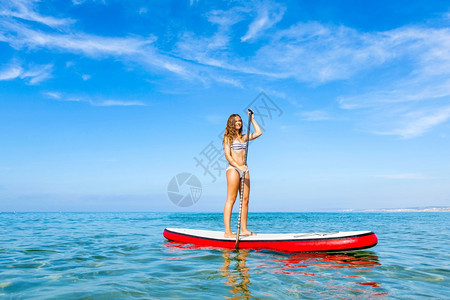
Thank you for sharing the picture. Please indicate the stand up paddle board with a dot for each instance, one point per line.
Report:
(291, 242)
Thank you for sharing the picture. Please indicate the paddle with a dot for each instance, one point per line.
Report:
(236, 246)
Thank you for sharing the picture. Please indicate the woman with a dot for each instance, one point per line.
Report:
(234, 144)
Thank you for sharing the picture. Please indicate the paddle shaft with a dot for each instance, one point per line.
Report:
(238, 232)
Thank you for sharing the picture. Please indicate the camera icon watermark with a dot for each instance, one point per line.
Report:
(184, 189)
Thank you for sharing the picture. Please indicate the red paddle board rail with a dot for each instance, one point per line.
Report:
(326, 244)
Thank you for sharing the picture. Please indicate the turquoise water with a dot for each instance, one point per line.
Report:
(124, 255)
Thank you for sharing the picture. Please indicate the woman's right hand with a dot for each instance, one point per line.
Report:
(243, 168)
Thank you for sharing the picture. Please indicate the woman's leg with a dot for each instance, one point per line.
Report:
(233, 183)
(245, 201)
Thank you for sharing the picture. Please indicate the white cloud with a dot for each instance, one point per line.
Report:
(266, 18)
(24, 9)
(407, 90)
(203, 49)
(117, 103)
(53, 95)
(420, 100)
(200, 49)
(137, 49)
(85, 77)
(417, 123)
(82, 43)
(227, 80)
(311, 52)
(225, 19)
(38, 74)
(94, 101)
(64, 97)
(12, 72)
(32, 75)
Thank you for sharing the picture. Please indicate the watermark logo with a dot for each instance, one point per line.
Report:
(184, 189)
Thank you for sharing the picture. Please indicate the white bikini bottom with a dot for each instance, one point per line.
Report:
(239, 171)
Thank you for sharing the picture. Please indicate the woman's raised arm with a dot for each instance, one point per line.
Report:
(258, 131)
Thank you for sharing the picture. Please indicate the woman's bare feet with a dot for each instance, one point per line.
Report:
(229, 235)
(247, 233)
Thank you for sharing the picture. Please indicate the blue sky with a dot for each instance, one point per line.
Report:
(102, 103)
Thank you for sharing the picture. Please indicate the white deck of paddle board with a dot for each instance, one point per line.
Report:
(219, 235)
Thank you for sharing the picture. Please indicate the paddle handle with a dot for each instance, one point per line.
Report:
(238, 232)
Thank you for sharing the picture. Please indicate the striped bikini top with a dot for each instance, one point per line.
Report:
(238, 146)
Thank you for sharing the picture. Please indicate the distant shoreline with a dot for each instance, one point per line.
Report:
(427, 209)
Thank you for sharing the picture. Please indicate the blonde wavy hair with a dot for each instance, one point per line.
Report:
(230, 131)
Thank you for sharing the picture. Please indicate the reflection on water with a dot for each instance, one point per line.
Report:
(237, 273)
(296, 263)
(300, 266)
(262, 273)
(331, 274)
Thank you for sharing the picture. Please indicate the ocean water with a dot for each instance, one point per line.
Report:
(125, 256)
